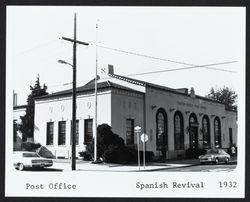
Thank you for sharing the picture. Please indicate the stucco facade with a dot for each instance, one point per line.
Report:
(184, 120)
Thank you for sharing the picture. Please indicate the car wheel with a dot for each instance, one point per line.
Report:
(216, 161)
(227, 160)
(20, 166)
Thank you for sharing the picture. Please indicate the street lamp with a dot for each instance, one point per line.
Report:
(73, 151)
(64, 62)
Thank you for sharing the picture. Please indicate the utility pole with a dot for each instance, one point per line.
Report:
(95, 123)
(73, 152)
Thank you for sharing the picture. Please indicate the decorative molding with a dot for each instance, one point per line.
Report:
(153, 106)
(62, 108)
(50, 109)
(187, 112)
(89, 105)
(223, 117)
(171, 109)
(200, 114)
(212, 115)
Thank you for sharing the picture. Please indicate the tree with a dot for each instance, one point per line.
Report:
(105, 138)
(224, 95)
(26, 127)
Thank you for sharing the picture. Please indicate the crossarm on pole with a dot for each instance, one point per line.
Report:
(72, 40)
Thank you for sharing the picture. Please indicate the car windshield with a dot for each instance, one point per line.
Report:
(30, 155)
(210, 151)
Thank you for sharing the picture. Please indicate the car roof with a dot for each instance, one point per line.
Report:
(21, 152)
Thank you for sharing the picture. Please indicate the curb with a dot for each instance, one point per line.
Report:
(168, 168)
(154, 169)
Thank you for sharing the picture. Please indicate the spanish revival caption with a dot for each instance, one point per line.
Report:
(174, 185)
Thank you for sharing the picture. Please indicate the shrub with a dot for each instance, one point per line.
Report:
(30, 146)
(111, 148)
(86, 155)
(125, 154)
(105, 138)
(195, 153)
(115, 154)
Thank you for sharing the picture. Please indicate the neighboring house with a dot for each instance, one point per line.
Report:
(17, 136)
(174, 119)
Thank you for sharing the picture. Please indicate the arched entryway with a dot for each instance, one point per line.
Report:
(217, 132)
(193, 131)
(178, 131)
(206, 131)
(161, 129)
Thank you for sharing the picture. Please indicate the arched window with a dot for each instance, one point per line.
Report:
(193, 131)
(206, 131)
(217, 132)
(178, 131)
(161, 128)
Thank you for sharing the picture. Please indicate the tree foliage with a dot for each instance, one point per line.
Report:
(111, 148)
(26, 127)
(224, 95)
(105, 138)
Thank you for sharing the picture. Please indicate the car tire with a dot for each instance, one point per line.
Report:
(227, 160)
(20, 166)
(216, 161)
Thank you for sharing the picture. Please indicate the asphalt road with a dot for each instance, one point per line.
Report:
(203, 168)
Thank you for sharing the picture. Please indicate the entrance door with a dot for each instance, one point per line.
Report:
(193, 131)
(193, 137)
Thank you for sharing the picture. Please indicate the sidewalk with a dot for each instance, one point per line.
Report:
(81, 165)
(88, 166)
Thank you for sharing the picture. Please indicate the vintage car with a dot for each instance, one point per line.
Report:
(25, 159)
(215, 156)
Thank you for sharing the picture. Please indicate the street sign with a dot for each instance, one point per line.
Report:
(137, 129)
(144, 137)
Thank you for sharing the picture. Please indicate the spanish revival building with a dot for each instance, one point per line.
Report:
(175, 120)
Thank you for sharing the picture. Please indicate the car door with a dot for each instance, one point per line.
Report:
(222, 157)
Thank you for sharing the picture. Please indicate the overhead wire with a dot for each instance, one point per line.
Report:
(163, 59)
(159, 71)
(190, 66)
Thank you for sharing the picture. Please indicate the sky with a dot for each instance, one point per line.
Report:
(193, 35)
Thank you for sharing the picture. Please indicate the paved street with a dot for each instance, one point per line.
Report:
(191, 165)
(203, 168)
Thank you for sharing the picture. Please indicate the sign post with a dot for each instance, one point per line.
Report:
(144, 139)
(137, 131)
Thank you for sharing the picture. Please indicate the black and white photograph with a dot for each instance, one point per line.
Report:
(129, 101)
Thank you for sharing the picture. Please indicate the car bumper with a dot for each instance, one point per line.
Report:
(207, 160)
(41, 165)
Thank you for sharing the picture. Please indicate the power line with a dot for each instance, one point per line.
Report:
(163, 59)
(159, 71)
(184, 68)
(38, 46)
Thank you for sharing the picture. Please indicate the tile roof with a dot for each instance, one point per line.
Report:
(181, 91)
(90, 86)
(108, 84)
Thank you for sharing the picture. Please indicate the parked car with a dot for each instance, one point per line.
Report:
(26, 159)
(215, 156)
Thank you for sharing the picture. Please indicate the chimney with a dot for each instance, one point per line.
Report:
(110, 69)
(14, 98)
